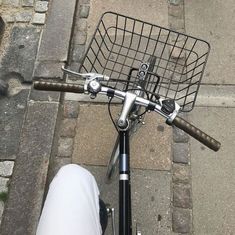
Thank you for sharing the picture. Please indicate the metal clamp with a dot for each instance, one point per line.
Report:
(172, 114)
(88, 76)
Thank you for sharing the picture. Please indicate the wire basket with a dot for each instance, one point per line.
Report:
(120, 44)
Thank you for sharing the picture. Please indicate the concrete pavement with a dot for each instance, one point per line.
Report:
(149, 187)
(136, 9)
(96, 136)
(213, 21)
(213, 173)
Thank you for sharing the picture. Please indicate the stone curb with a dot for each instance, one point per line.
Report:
(30, 171)
(53, 50)
(79, 39)
(28, 182)
(18, 59)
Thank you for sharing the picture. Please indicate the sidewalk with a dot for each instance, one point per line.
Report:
(213, 173)
(190, 186)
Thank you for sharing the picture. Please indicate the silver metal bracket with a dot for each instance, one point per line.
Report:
(128, 104)
(171, 116)
(88, 76)
(174, 114)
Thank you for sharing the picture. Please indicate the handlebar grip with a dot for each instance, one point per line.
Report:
(196, 133)
(56, 86)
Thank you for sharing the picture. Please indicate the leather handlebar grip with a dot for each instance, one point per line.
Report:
(196, 133)
(56, 86)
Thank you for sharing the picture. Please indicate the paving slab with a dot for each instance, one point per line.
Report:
(48, 69)
(212, 20)
(54, 49)
(23, 206)
(213, 173)
(150, 197)
(134, 8)
(11, 122)
(50, 96)
(21, 53)
(216, 95)
(95, 137)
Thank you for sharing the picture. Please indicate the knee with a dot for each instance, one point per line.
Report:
(68, 168)
(74, 171)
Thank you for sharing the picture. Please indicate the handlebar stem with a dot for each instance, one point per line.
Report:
(129, 101)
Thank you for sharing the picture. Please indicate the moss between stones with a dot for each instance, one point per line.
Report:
(3, 196)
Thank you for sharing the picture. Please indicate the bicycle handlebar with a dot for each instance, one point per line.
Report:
(55, 86)
(177, 121)
(196, 133)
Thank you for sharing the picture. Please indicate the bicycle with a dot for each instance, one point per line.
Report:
(147, 67)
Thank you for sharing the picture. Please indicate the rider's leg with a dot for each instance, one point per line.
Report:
(72, 204)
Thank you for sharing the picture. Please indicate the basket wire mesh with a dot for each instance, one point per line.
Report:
(120, 44)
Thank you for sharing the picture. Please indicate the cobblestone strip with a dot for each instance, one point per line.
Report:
(181, 183)
(25, 11)
(66, 133)
(181, 169)
(80, 34)
(176, 16)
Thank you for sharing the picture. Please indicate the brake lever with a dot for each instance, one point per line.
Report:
(89, 76)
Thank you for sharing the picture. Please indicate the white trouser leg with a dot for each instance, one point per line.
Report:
(72, 204)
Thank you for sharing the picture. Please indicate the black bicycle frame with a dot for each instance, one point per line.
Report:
(125, 221)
